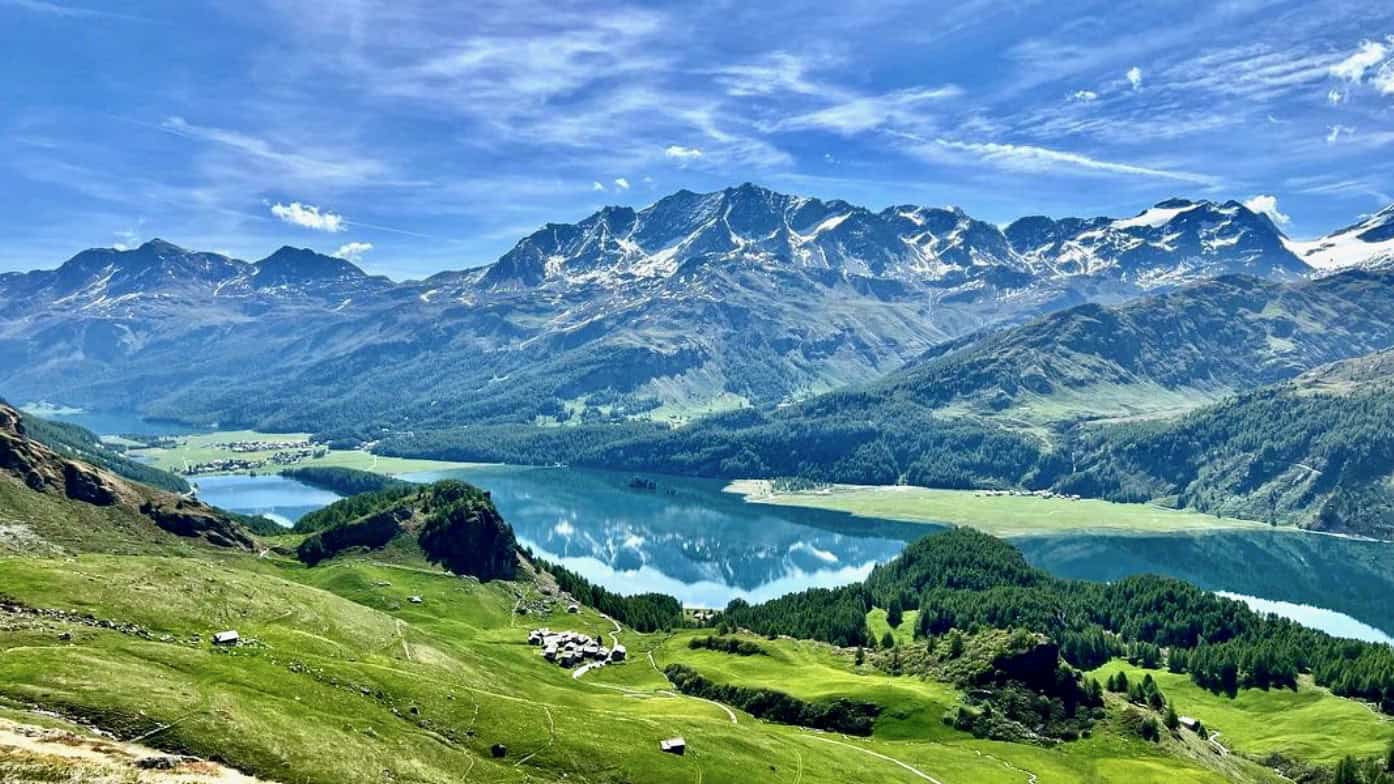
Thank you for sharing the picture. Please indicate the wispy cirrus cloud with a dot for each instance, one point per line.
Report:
(773, 73)
(867, 112)
(68, 11)
(302, 162)
(1032, 158)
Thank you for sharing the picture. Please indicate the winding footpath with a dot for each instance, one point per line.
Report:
(916, 771)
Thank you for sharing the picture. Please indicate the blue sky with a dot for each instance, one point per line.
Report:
(419, 136)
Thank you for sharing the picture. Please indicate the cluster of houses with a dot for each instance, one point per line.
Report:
(238, 464)
(571, 648)
(1036, 493)
(256, 445)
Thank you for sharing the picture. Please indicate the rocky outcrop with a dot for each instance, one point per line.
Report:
(45, 471)
(191, 519)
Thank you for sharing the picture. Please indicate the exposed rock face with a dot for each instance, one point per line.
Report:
(195, 520)
(45, 471)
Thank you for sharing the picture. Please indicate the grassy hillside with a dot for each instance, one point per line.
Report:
(345, 680)
(53, 503)
(1298, 723)
(374, 664)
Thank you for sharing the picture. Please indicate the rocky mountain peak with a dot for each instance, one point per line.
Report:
(1174, 241)
(290, 266)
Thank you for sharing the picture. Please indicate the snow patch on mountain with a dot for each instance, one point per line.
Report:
(1366, 243)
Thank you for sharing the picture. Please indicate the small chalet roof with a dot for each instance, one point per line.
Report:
(672, 744)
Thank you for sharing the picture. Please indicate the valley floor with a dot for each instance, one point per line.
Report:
(236, 451)
(997, 513)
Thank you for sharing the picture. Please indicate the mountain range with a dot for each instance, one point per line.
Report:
(1239, 396)
(697, 303)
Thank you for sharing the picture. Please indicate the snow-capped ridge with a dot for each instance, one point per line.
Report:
(1369, 242)
(1172, 241)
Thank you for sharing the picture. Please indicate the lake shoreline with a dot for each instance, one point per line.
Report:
(1005, 515)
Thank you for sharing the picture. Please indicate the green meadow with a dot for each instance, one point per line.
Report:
(342, 679)
(1309, 723)
(206, 447)
(997, 514)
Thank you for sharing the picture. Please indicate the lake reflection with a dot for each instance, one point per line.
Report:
(686, 538)
(1351, 578)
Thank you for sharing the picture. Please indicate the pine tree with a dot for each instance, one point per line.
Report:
(888, 640)
(1347, 772)
(861, 656)
(1172, 720)
(895, 613)
(1094, 691)
(955, 645)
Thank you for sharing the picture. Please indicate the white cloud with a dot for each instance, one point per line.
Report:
(1353, 68)
(622, 183)
(1025, 157)
(1335, 132)
(597, 187)
(1265, 204)
(1084, 96)
(866, 113)
(309, 216)
(682, 153)
(1335, 97)
(129, 238)
(353, 251)
(1134, 76)
(1384, 80)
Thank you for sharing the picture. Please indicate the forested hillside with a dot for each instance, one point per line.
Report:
(963, 580)
(1018, 408)
(1318, 452)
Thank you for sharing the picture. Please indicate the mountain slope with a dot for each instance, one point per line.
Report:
(1316, 451)
(83, 444)
(52, 503)
(1202, 341)
(696, 303)
(1000, 410)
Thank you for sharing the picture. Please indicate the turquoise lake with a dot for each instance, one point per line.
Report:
(689, 539)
